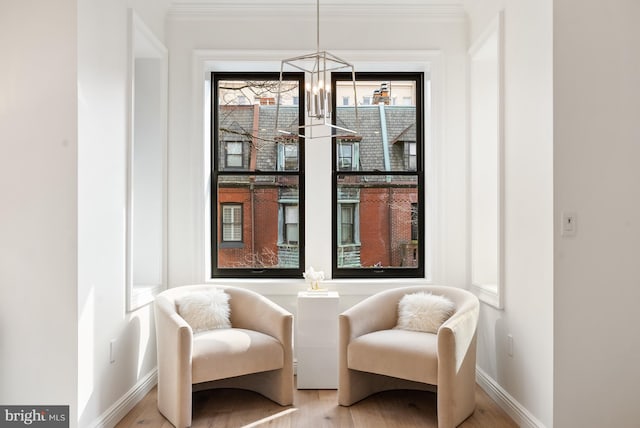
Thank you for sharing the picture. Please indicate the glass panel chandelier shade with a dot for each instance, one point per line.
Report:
(317, 68)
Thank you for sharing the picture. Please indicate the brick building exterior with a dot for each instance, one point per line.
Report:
(380, 209)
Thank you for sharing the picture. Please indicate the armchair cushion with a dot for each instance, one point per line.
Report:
(394, 353)
(205, 310)
(233, 352)
(423, 312)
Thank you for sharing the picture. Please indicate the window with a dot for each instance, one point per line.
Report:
(146, 214)
(414, 222)
(287, 154)
(410, 155)
(348, 153)
(378, 179)
(290, 228)
(234, 154)
(257, 177)
(231, 222)
(347, 221)
(486, 164)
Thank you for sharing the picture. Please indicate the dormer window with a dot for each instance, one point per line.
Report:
(348, 153)
(234, 154)
(410, 155)
(287, 154)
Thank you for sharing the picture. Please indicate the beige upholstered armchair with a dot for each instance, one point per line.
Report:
(254, 354)
(375, 356)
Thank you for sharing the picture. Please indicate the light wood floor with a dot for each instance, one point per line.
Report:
(315, 409)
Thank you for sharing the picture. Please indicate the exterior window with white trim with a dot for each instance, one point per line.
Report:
(234, 154)
(410, 155)
(290, 229)
(287, 156)
(231, 223)
(347, 224)
(348, 154)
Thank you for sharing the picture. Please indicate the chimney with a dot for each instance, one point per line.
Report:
(381, 96)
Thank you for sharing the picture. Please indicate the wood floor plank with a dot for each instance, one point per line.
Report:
(320, 409)
(145, 414)
(315, 408)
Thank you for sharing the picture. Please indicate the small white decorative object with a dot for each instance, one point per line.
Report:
(314, 277)
(424, 312)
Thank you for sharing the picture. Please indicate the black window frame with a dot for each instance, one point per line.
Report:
(382, 272)
(216, 172)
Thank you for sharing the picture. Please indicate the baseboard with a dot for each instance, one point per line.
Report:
(120, 408)
(509, 404)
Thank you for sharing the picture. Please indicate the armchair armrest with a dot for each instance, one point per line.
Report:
(457, 333)
(253, 311)
(377, 312)
(174, 340)
(457, 363)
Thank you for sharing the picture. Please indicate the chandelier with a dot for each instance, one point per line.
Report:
(317, 68)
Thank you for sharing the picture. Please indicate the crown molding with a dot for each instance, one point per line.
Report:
(256, 10)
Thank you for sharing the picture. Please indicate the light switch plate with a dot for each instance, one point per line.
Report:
(569, 224)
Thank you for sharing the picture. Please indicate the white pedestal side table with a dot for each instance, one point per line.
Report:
(316, 339)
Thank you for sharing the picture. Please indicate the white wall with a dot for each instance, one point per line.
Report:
(527, 376)
(38, 180)
(360, 29)
(62, 128)
(102, 150)
(62, 236)
(596, 175)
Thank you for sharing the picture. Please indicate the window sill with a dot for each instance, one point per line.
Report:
(346, 287)
(142, 295)
(232, 245)
(488, 294)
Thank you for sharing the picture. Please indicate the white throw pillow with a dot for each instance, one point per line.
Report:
(205, 310)
(423, 312)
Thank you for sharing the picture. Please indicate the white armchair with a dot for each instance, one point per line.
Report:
(255, 354)
(374, 357)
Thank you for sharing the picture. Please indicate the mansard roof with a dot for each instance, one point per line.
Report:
(398, 120)
(380, 128)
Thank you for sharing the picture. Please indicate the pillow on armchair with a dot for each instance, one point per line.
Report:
(205, 310)
(423, 312)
